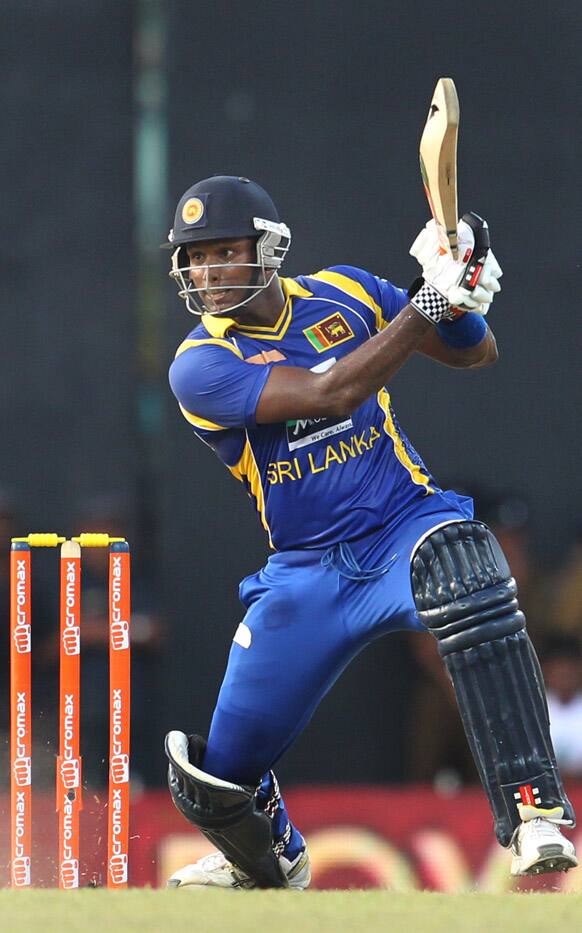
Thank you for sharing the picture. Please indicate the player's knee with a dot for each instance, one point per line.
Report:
(463, 589)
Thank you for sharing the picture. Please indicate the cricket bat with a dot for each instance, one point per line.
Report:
(438, 161)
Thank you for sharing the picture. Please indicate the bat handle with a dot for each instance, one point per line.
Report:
(448, 239)
(480, 250)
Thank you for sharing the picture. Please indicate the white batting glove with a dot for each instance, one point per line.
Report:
(488, 284)
(455, 286)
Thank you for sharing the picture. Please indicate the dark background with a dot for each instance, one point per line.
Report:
(110, 111)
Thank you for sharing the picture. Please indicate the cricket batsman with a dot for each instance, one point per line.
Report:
(285, 379)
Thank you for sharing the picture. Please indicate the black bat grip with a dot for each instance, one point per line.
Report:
(480, 250)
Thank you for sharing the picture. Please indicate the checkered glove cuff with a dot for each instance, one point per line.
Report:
(432, 305)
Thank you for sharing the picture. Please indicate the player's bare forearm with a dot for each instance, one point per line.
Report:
(294, 392)
(482, 354)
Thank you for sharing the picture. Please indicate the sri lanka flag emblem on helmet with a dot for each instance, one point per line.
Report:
(193, 210)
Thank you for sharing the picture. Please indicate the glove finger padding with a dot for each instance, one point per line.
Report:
(491, 274)
(468, 283)
(426, 248)
(464, 300)
(479, 298)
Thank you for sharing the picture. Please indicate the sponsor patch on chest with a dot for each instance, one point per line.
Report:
(306, 431)
(329, 332)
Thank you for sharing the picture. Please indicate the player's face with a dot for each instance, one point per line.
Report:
(216, 263)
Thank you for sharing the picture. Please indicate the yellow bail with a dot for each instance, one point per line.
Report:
(96, 539)
(40, 539)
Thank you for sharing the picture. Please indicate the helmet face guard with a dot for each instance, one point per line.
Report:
(220, 208)
(272, 247)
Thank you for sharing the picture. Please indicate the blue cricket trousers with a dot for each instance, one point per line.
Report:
(308, 614)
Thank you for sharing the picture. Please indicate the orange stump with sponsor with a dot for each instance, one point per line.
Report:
(69, 801)
(68, 763)
(20, 718)
(119, 714)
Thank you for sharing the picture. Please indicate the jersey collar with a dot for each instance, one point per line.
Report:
(219, 326)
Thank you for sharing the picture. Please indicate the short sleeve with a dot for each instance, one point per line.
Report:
(380, 296)
(392, 299)
(214, 386)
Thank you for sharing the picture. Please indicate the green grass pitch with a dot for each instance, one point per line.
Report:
(214, 911)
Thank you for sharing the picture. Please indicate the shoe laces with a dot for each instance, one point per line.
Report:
(547, 825)
(217, 861)
(213, 861)
(541, 826)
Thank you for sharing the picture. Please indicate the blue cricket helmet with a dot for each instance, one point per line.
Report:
(221, 207)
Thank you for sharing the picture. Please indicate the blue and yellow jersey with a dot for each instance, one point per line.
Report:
(318, 481)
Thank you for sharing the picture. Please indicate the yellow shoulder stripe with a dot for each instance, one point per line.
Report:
(353, 288)
(200, 422)
(416, 474)
(186, 344)
(292, 289)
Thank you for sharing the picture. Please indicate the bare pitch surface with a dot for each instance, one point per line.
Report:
(214, 911)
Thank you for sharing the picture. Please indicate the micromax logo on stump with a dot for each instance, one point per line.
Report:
(119, 759)
(118, 860)
(20, 827)
(71, 631)
(21, 633)
(69, 865)
(70, 873)
(119, 625)
(21, 766)
(70, 765)
(21, 870)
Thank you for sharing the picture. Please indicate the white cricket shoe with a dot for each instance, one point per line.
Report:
(538, 846)
(216, 871)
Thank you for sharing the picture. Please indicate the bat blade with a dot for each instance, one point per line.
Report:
(438, 161)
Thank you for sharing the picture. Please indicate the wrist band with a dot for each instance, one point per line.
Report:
(431, 304)
(466, 331)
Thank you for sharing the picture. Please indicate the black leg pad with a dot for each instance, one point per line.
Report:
(466, 596)
(226, 813)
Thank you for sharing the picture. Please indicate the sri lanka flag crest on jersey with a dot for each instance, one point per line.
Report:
(329, 332)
